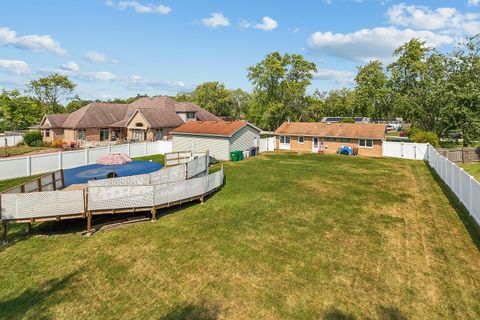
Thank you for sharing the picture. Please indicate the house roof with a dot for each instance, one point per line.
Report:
(55, 120)
(340, 130)
(160, 112)
(212, 128)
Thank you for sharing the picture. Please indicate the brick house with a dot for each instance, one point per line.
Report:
(146, 119)
(329, 137)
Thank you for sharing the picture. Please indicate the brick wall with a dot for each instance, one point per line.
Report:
(333, 146)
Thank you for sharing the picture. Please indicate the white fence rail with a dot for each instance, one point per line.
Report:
(16, 206)
(122, 197)
(465, 187)
(30, 165)
(267, 144)
(406, 150)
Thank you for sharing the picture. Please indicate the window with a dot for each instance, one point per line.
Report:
(191, 116)
(364, 143)
(301, 140)
(345, 140)
(82, 134)
(104, 134)
(158, 134)
(138, 124)
(284, 139)
(331, 139)
(47, 133)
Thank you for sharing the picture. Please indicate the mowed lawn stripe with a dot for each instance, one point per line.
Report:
(289, 236)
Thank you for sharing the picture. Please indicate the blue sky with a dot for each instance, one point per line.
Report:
(120, 48)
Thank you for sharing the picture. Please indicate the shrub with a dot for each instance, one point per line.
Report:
(36, 143)
(33, 137)
(421, 136)
(57, 143)
(347, 120)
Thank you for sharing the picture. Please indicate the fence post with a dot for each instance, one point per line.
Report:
(414, 151)
(109, 149)
(29, 165)
(146, 148)
(128, 149)
(60, 160)
(401, 150)
(460, 189)
(86, 156)
(470, 191)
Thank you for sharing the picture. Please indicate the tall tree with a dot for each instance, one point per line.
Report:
(50, 90)
(371, 92)
(280, 83)
(417, 81)
(340, 103)
(18, 112)
(75, 104)
(462, 112)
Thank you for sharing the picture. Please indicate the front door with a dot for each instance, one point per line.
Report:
(138, 135)
(315, 144)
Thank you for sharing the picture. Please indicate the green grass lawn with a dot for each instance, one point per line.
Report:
(156, 158)
(10, 183)
(18, 150)
(288, 237)
(472, 168)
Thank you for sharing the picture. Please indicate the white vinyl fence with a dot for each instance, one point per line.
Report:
(30, 165)
(406, 150)
(465, 187)
(267, 144)
(10, 139)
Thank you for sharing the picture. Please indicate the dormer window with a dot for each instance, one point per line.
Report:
(191, 116)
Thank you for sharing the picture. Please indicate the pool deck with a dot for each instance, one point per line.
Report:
(80, 186)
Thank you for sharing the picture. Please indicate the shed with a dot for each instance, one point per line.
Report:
(218, 137)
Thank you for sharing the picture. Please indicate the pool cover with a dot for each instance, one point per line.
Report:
(99, 171)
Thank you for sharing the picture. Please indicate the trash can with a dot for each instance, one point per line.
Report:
(240, 155)
(234, 156)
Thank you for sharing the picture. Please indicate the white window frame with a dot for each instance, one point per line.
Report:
(191, 115)
(303, 140)
(47, 133)
(284, 142)
(362, 143)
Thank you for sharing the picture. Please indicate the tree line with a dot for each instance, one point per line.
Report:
(435, 91)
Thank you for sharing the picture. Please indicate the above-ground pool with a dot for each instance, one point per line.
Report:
(84, 174)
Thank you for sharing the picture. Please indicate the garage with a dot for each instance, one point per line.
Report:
(219, 138)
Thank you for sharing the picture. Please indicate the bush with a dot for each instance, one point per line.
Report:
(33, 137)
(421, 136)
(347, 120)
(57, 143)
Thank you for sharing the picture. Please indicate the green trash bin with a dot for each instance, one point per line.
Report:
(234, 156)
(240, 155)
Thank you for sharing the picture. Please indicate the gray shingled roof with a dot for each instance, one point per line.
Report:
(56, 120)
(159, 112)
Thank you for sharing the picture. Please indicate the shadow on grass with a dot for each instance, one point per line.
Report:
(36, 299)
(336, 314)
(467, 220)
(202, 311)
(390, 313)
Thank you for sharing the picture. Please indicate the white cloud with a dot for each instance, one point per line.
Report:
(141, 83)
(30, 42)
(94, 56)
(70, 66)
(216, 20)
(268, 24)
(337, 76)
(368, 44)
(138, 7)
(445, 20)
(96, 75)
(473, 3)
(14, 66)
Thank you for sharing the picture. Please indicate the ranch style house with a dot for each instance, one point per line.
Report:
(329, 137)
(145, 119)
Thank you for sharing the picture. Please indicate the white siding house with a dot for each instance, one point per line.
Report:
(218, 137)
